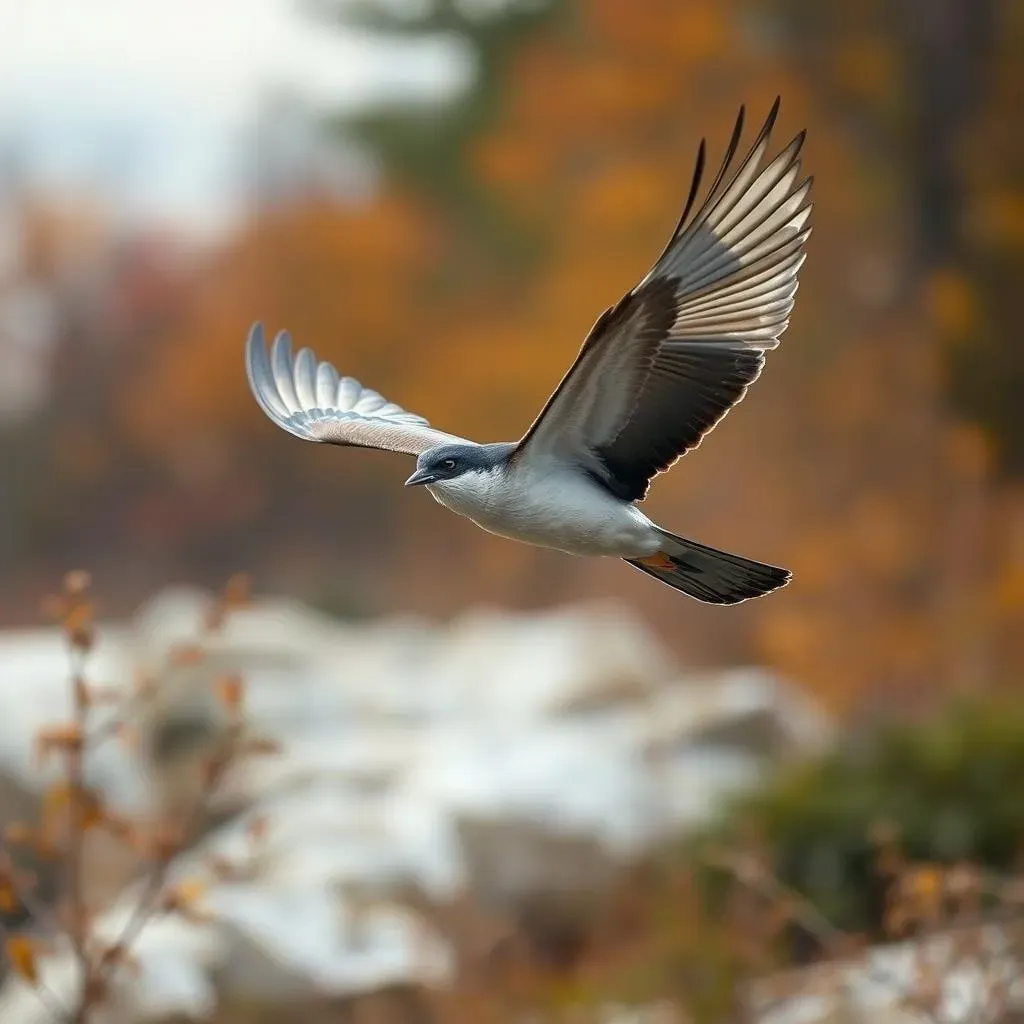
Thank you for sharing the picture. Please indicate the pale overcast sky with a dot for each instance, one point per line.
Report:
(149, 99)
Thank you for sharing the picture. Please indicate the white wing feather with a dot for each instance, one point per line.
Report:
(310, 400)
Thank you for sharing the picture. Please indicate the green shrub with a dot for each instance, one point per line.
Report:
(952, 789)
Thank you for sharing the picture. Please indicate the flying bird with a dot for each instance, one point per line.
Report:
(656, 373)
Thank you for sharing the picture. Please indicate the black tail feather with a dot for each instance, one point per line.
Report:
(713, 576)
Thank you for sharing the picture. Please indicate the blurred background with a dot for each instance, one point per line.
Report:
(440, 197)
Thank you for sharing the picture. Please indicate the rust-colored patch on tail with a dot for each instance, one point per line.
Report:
(659, 560)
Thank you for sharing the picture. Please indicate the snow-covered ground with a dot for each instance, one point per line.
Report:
(440, 757)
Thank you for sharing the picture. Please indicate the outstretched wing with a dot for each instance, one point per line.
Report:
(310, 400)
(663, 366)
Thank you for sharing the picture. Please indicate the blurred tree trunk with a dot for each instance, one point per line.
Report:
(930, 60)
(947, 45)
(939, 94)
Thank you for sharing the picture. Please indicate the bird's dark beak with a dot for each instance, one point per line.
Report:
(421, 476)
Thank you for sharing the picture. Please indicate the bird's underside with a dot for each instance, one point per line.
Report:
(656, 373)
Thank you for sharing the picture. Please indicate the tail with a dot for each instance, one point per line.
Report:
(709, 575)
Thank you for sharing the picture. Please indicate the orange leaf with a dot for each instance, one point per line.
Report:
(91, 812)
(230, 690)
(8, 898)
(19, 833)
(55, 801)
(58, 737)
(184, 899)
(78, 616)
(187, 654)
(236, 591)
(22, 954)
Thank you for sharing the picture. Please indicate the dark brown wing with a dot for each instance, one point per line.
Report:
(661, 368)
(308, 399)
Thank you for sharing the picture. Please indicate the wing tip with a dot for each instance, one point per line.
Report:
(268, 372)
(254, 344)
(741, 117)
(698, 174)
(255, 347)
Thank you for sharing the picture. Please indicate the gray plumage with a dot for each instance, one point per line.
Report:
(656, 373)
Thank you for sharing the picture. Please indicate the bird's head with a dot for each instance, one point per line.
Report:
(448, 462)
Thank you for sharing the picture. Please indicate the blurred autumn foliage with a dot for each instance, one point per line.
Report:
(879, 456)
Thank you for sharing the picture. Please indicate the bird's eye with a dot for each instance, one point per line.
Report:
(448, 464)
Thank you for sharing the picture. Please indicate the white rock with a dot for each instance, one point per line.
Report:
(514, 753)
(980, 980)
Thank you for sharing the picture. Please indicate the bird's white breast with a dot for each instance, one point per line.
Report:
(557, 508)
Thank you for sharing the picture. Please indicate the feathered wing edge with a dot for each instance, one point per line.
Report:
(716, 299)
(310, 400)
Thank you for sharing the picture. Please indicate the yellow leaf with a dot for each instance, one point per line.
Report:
(184, 899)
(190, 890)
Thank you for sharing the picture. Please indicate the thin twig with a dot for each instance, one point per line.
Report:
(110, 727)
(76, 782)
(155, 884)
(96, 969)
(804, 913)
(146, 904)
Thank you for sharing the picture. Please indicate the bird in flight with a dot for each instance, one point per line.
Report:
(657, 372)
